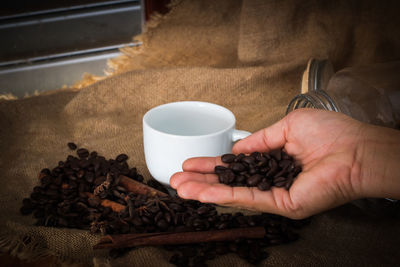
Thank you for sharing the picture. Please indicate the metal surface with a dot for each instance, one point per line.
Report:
(67, 31)
(49, 49)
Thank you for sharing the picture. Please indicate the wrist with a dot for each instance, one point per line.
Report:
(379, 157)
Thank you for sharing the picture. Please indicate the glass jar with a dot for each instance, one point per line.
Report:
(368, 94)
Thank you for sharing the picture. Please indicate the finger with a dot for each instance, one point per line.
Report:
(202, 164)
(183, 177)
(243, 197)
(264, 140)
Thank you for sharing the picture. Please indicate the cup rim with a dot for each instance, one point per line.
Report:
(231, 125)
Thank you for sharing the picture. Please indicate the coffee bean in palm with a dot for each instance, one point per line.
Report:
(288, 183)
(228, 158)
(227, 177)
(220, 169)
(254, 180)
(240, 178)
(264, 185)
(279, 181)
(249, 159)
(239, 157)
(237, 167)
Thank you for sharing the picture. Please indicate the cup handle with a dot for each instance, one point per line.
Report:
(239, 134)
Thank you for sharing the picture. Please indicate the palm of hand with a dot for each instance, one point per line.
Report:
(324, 143)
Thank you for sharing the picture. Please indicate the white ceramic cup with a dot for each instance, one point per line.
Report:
(177, 131)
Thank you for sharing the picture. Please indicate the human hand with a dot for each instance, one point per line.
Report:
(330, 148)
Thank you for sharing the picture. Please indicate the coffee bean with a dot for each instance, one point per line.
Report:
(227, 177)
(121, 157)
(240, 178)
(253, 170)
(288, 183)
(72, 146)
(82, 153)
(93, 202)
(254, 180)
(279, 181)
(280, 173)
(162, 224)
(26, 210)
(264, 185)
(237, 167)
(277, 154)
(249, 160)
(220, 169)
(228, 158)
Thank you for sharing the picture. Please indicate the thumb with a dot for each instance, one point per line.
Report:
(264, 140)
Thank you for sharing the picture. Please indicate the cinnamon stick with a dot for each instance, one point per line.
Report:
(171, 238)
(115, 206)
(139, 188)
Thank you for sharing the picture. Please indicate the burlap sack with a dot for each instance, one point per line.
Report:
(248, 57)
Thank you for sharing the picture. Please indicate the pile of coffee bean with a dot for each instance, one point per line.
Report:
(61, 200)
(261, 170)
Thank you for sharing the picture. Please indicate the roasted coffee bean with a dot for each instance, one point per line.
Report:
(254, 180)
(93, 202)
(84, 163)
(121, 157)
(252, 171)
(237, 167)
(162, 224)
(249, 160)
(82, 153)
(227, 177)
(239, 157)
(45, 171)
(277, 154)
(220, 169)
(284, 164)
(264, 185)
(72, 146)
(147, 220)
(240, 178)
(228, 158)
(175, 259)
(26, 210)
(159, 216)
(279, 181)
(288, 183)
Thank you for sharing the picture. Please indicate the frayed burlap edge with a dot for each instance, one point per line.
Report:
(24, 247)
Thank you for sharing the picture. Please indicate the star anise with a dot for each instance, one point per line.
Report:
(98, 227)
(104, 188)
